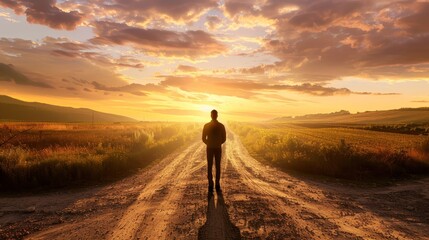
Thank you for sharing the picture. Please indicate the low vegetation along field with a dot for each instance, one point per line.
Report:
(46, 155)
(42, 155)
(336, 151)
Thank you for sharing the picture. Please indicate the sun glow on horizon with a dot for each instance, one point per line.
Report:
(206, 108)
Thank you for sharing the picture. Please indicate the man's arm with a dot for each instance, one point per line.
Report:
(204, 137)
(223, 134)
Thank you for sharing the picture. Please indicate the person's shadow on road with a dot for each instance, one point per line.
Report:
(218, 225)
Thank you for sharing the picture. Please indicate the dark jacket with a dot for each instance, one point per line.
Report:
(214, 134)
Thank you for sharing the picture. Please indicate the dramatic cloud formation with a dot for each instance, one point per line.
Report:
(45, 12)
(270, 55)
(179, 11)
(329, 39)
(77, 63)
(164, 42)
(321, 14)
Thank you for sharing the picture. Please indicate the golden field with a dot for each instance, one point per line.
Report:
(42, 155)
(49, 155)
(344, 152)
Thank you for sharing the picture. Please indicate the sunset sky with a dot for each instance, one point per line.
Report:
(252, 60)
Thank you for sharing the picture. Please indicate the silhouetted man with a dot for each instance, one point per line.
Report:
(214, 136)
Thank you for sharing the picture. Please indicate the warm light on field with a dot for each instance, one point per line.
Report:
(86, 147)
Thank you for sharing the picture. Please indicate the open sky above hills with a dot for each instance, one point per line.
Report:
(250, 59)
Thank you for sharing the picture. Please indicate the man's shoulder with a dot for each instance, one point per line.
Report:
(214, 123)
(220, 125)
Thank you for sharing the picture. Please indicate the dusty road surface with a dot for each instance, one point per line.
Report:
(169, 200)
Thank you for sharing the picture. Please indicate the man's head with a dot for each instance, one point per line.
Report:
(214, 114)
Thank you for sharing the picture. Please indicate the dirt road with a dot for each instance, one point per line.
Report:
(169, 200)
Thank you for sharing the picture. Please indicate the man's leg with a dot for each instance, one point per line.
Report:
(218, 157)
(210, 155)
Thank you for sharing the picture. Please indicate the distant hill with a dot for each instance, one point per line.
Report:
(12, 109)
(396, 116)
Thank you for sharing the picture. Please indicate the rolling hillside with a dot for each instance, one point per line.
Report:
(16, 110)
(396, 116)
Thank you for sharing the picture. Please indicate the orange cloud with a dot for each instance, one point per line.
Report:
(185, 68)
(325, 40)
(45, 12)
(417, 20)
(134, 88)
(17, 6)
(190, 44)
(178, 11)
(50, 62)
(213, 22)
(323, 13)
(247, 88)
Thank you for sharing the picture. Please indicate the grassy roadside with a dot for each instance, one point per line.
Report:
(292, 151)
(59, 155)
